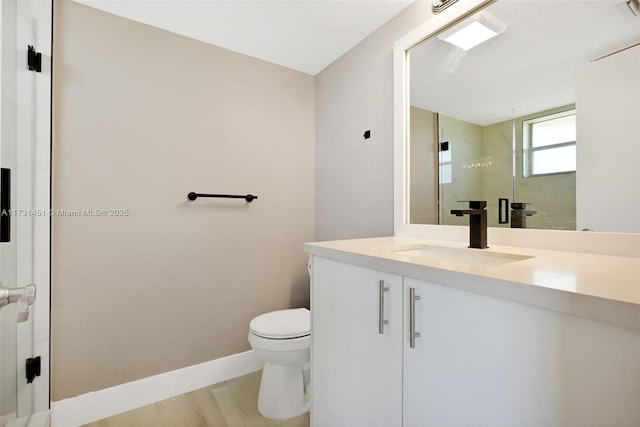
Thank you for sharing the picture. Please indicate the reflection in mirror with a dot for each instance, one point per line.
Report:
(530, 119)
(480, 166)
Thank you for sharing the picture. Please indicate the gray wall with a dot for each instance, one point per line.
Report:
(354, 177)
(142, 117)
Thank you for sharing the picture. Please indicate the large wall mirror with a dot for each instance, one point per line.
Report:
(537, 113)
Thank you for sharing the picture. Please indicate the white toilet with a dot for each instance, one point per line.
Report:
(282, 339)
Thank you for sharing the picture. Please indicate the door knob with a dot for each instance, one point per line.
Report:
(24, 297)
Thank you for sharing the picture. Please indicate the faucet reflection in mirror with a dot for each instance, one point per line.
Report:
(508, 109)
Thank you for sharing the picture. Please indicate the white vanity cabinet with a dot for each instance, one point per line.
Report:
(356, 370)
(478, 360)
(481, 360)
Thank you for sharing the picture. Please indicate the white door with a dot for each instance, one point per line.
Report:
(17, 132)
(356, 362)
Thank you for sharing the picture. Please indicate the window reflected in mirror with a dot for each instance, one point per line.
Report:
(549, 144)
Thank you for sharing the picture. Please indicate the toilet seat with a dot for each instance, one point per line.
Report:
(279, 345)
(282, 324)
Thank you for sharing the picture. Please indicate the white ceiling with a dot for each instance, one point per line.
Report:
(528, 68)
(305, 35)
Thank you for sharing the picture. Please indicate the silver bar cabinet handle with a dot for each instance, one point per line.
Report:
(381, 321)
(412, 317)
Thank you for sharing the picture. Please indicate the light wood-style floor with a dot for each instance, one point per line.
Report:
(231, 403)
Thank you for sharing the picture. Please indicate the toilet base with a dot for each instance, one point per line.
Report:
(282, 392)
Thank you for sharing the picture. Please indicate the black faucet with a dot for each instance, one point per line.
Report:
(519, 214)
(477, 223)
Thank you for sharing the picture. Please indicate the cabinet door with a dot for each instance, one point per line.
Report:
(356, 372)
(486, 361)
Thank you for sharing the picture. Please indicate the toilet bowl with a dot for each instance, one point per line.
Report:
(282, 339)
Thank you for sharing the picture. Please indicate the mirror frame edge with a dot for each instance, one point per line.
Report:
(621, 244)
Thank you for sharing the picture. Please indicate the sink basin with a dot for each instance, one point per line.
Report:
(478, 257)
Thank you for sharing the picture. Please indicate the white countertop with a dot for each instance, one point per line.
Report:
(598, 287)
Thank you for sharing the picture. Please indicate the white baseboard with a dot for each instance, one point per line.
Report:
(100, 404)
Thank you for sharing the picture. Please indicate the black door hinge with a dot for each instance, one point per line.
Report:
(5, 205)
(33, 368)
(34, 60)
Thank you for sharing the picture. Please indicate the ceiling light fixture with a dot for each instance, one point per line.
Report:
(480, 28)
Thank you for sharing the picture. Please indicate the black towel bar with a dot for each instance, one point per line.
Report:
(248, 197)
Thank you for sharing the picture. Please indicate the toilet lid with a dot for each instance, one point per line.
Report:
(282, 324)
